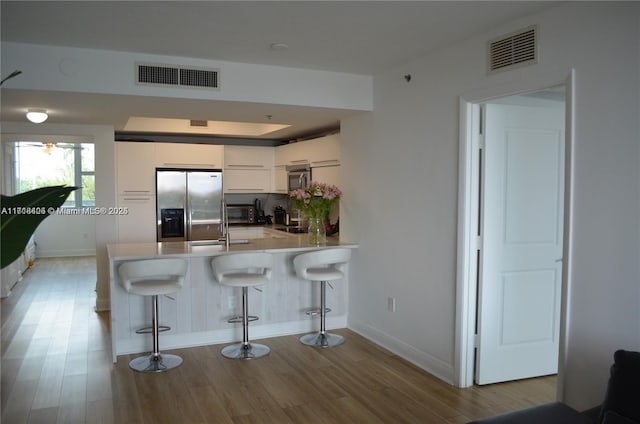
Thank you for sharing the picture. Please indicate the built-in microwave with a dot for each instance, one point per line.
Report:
(298, 176)
(240, 213)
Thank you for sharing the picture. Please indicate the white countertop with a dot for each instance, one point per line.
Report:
(119, 251)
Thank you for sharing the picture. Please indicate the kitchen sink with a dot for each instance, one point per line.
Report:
(294, 230)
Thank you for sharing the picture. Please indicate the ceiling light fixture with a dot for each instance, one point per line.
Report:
(49, 147)
(37, 116)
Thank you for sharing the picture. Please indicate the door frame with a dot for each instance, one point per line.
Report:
(468, 207)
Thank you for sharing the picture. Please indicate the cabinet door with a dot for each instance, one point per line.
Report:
(185, 155)
(135, 171)
(291, 154)
(248, 157)
(246, 180)
(139, 224)
(321, 151)
(324, 151)
(247, 169)
(326, 174)
(280, 180)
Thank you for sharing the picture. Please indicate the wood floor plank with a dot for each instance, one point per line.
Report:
(57, 367)
(49, 388)
(211, 408)
(18, 405)
(352, 411)
(100, 412)
(43, 416)
(74, 412)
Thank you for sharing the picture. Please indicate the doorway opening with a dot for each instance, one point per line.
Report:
(32, 161)
(513, 220)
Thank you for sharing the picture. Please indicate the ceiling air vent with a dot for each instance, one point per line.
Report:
(152, 74)
(198, 123)
(514, 50)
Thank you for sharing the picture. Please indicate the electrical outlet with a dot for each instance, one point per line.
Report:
(232, 302)
(391, 304)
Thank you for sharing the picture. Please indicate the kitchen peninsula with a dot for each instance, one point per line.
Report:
(198, 313)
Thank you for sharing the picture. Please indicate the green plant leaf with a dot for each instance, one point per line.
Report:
(21, 215)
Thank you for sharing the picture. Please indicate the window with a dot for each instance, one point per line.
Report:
(41, 164)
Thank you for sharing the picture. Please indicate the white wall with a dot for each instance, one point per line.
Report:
(103, 71)
(66, 235)
(400, 181)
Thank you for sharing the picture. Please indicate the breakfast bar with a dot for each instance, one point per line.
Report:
(198, 312)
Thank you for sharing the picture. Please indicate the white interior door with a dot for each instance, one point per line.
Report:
(520, 272)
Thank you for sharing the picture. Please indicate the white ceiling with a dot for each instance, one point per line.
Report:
(359, 37)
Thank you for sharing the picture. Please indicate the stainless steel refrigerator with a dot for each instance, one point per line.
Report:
(189, 204)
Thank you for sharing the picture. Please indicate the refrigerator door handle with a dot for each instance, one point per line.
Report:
(187, 217)
(223, 211)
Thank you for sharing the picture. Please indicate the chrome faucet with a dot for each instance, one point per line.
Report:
(302, 180)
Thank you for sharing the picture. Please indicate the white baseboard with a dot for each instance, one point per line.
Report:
(102, 305)
(432, 365)
(63, 253)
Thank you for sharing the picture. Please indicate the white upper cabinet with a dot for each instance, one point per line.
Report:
(185, 155)
(291, 154)
(135, 169)
(280, 180)
(318, 152)
(322, 151)
(248, 157)
(327, 174)
(248, 169)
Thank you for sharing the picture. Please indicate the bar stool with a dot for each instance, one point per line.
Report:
(153, 277)
(244, 270)
(322, 265)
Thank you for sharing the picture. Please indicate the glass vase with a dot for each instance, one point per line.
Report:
(317, 232)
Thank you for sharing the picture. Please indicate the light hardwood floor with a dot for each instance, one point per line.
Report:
(56, 368)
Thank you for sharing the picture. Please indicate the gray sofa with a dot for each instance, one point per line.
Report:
(621, 404)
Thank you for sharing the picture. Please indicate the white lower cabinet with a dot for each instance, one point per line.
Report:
(138, 224)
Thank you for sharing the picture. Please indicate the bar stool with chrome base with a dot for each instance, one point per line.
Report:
(153, 277)
(322, 265)
(250, 269)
